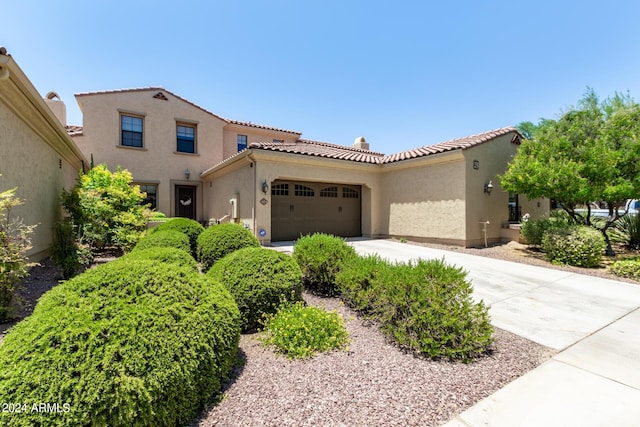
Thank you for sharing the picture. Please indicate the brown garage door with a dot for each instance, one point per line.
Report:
(299, 208)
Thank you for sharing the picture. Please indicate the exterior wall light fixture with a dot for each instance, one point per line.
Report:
(488, 187)
(187, 173)
(265, 187)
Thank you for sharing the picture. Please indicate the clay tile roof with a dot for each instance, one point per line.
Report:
(321, 149)
(454, 144)
(73, 130)
(254, 125)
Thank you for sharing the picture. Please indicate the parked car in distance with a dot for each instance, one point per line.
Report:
(632, 206)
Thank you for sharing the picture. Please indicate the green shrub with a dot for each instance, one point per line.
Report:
(359, 283)
(15, 241)
(157, 216)
(627, 268)
(260, 280)
(321, 256)
(533, 229)
(184, 225)
(580, 246)
(66, 252)
(135, 343)
(220, 240)
(426, 306)
(167, 238)
(299, 331)
(628, 228)
(106, 208)
(165, 255)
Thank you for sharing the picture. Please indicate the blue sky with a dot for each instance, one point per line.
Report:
(403, 74)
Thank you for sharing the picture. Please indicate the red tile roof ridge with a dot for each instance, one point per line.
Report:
(452, 144)
(73, 130)
(343, 147)
(255, 125)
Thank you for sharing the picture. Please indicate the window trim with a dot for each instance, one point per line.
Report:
(195, 137)
(133, 116)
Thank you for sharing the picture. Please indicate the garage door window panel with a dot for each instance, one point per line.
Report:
(304, 191)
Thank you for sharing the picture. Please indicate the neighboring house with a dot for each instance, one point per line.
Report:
(37, 156)
(193, 163)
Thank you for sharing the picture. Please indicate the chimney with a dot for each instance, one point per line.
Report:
(360, 143)
(57, 106)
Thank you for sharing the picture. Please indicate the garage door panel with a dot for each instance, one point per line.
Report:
(308, 208)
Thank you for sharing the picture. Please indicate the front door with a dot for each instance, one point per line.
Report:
(186, 201)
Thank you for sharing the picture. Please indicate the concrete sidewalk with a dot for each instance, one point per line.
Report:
(594, 323)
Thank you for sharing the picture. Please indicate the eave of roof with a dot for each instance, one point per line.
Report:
(454, 144)
(255, 125)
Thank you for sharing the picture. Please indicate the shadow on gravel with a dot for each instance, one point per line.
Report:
(234, 374)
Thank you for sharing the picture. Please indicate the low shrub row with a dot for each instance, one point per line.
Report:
(426, 306)
(189, 227)
(134, 342)
(564, 242)
(219, 240)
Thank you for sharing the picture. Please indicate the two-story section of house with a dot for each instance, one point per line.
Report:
(165, 141)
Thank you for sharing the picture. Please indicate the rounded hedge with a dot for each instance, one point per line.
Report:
(321, 256)
(260, 280)
(163, 239)
(579, 246)
(135, 343)
(217, 241)
(187, 226)
(164, 255)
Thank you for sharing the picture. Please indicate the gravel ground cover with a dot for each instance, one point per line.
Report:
(373, 383)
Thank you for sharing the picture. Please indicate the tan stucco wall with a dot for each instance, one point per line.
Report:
(238, 176)
(37, 157)
(493, 158)
(158, 162)
(254, 134)
(423, 199)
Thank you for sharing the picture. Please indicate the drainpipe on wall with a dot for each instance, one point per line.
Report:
(253, 205)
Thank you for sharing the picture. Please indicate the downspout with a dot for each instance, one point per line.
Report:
(254, 166)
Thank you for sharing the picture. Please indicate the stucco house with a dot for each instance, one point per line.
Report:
(196, 164)
(37, 156)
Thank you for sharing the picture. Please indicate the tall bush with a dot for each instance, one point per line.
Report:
(321, 256)
(579, 246)
(106, 208)
(136, 343)
(217, 241)
(15, 240)
(260, 280)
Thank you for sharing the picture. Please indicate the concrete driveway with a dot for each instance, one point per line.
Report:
(594, 323)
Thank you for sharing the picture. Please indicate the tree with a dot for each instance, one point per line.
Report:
(106, 208)
(589, 154)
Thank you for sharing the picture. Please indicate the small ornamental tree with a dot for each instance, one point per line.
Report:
(589, 154)
(14, 242)
(106, 208)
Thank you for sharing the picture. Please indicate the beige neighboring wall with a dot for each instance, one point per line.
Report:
(157, 162)
(37, 155)
(423, 198)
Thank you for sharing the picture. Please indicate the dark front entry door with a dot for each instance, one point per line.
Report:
(186, 201)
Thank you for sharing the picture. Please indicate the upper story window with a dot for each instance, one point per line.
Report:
(131, 130)
(242, 142)
(186, 138)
